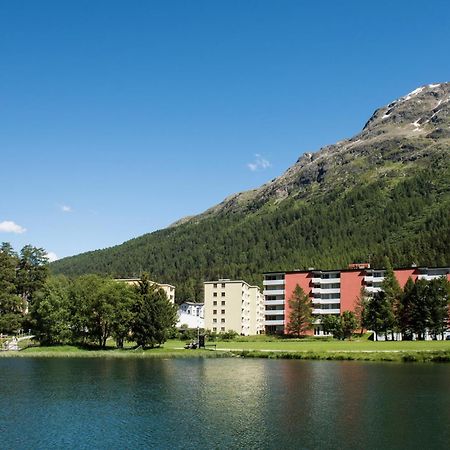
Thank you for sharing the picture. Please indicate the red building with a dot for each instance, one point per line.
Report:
(331, 291)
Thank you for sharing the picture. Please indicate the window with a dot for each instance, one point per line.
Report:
(214, 329)
(331, 286)
(222, 329)
(214, 320)
(214, 311)
(223, 302)
(222, 320)
(214, 303)
(223, 311)
(214, 294)
(328, 296)
(223, 294)
(331, 306)
(215, 285)
(223, 285)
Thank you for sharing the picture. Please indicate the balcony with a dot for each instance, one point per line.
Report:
(273, 292)
(274, 302)
(329, 280)
(274, 322)
(368, 279)
(326, 301)
(317, 290)
(273, 282)
(326, 311)
(274, 312)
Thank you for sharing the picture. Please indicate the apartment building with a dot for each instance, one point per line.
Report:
(167, 288)
(331, 291)
(191, 314)
(233, 305)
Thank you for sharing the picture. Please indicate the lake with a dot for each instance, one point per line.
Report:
(222, 403)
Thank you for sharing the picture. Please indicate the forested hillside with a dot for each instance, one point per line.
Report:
(384, 192)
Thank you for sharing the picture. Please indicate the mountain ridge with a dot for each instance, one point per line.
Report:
(400, 155)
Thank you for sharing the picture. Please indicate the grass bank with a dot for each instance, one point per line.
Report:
(400, 356)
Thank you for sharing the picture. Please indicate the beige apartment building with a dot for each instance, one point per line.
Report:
(167, 288)
(233, 305)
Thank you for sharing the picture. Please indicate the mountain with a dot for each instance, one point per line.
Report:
(384, 192)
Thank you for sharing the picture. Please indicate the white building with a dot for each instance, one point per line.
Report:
(192, 315)
(233, 305)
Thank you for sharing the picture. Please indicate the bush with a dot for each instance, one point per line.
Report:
(228, 335)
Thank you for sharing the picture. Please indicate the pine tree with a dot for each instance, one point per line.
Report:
(393, 293)
(11, 305)
(438, 299)
(403, 313)
(32, 271)
(361, 308)
(300, 317)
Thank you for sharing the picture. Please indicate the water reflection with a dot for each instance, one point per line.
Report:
(229, 403)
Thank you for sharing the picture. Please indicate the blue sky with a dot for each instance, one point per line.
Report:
(118, 118)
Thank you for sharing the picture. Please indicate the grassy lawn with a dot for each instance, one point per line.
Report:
(334, 346)
(362, 349)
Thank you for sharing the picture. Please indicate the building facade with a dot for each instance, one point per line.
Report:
(167, 288)
(233, 305)
(191, 314)
(331, 291)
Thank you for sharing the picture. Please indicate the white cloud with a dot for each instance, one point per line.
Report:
(52, 256)
(66, 208)
(8, 226)
(260, 163)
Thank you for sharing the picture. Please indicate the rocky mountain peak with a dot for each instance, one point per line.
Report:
(404, 130)
(426, 105)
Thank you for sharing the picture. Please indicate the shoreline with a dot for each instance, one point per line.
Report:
(420, 356)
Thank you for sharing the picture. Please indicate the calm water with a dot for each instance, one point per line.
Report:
(223, 403)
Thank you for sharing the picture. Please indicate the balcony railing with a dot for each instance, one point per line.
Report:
(318, 290)
(273, 282)
(274, 302)
(325, 280)
(273, 292)
(326, 311)
(274, 322)
(274, 312)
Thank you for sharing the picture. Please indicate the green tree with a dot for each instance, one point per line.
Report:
(340, 326)
(331, 324)
(32, 271)
(300, 316)
(419, 309)
(50, 312)
(378, 314)
(92, 309)
(11, 305)
(403, 313)
(361, 309)
(392, 296)
(438, 299)
(123, 297)
(349, 324)
(154, 315)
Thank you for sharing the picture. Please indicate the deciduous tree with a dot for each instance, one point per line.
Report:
(154, 315)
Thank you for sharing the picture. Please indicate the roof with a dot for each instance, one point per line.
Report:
(356, 270)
